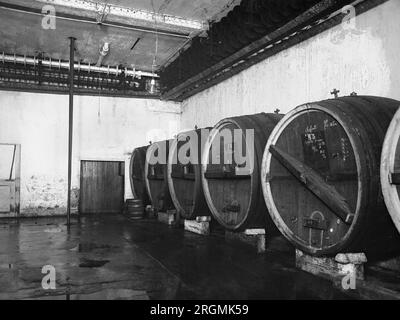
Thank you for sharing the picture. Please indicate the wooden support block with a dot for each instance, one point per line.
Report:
(332, 267)
(151, 212)
(167, 218)
(253, 237)
(178, 219)
(202, 228)
(254, 232)
(355, 258)
(203, 219)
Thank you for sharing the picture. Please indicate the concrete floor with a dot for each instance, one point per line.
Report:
(112, 257)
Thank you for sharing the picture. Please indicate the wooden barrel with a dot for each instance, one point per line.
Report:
(137, 175)
(390, 169)
(320, 176)
(232, 185)
(184, 174)
(134, 208)
(156, 176)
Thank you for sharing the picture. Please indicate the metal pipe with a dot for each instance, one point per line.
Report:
(71, 123)
(77, 66)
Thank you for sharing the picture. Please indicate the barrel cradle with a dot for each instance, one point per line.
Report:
(156, 176)
(137, 175)
(231, 187)
(320, 176)
(184, 174)
(390, 169)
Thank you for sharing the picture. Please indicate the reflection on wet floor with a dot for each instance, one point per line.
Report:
(111, 257)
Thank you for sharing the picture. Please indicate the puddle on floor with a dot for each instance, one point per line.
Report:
(90, 246)
(88, 263)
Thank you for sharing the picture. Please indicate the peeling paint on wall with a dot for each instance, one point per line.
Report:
(43, 194)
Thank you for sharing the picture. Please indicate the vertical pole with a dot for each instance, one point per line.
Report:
(71, 123)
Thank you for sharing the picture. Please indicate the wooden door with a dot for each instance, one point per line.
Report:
(102, 187)
(9, 180)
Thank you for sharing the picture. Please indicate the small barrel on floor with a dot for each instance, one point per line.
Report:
(134, 208)
(320, 177)
(231, 171)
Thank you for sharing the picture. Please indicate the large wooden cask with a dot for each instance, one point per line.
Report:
(390, 169)
(184, 173)
(137, 175)
(232, 183)
(320, 176)
(156, 176)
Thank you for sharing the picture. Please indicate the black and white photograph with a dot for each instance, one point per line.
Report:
(199, 157)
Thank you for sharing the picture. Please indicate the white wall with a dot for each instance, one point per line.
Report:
(104, 129)
(365, 60)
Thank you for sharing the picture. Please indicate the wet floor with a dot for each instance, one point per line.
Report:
(112, 257)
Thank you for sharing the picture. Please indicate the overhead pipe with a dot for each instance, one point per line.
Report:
(77, 66)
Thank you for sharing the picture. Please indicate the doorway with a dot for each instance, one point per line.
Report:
(10, 168)
(102, 187)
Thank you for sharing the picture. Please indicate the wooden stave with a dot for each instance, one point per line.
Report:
(153, 194)
(200, 207)
(142, 194)
(260, 219)
(389, 152)
(357, 123)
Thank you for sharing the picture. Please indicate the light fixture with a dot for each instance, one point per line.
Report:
(103, 52)
(152, 88)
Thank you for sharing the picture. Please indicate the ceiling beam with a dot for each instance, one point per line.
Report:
(137, 15)
(92, 20)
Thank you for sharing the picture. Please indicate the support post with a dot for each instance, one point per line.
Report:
(71, 123)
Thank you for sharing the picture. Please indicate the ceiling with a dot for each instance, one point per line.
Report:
(22, 33)
(191, 9)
